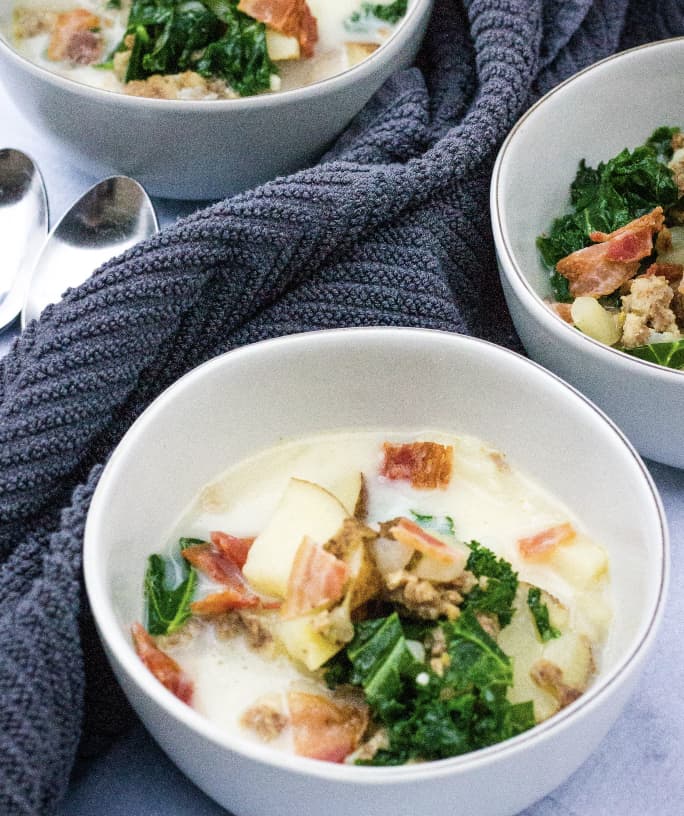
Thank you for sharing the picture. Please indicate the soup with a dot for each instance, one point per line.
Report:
(377, 598)
(213, 49)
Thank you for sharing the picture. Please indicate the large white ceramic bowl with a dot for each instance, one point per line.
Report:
(379, 378)
(202, 149)
(614, 104)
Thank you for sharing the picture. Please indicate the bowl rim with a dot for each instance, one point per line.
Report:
(119, 646)
(385, 53)
(508, 262)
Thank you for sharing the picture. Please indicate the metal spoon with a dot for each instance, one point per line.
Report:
(108, 219)
(23, 227)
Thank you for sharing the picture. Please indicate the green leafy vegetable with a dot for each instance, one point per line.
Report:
(169, 587)
(495, 593)
(372, 12)
(661, 140)
(540, 613)
(437, 524)
(211, 37)
(666, 354)
(427, 715)
(608, 197)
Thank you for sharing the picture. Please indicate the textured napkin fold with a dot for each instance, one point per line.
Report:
(391, 228)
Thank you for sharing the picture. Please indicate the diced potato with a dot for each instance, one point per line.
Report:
(348, 490)
(582, 563)
(595, 321)
(521, 642)
(551, 674)
(572, 654)
(305, 509)
(358, 51)
(281, 47)
(304, 643)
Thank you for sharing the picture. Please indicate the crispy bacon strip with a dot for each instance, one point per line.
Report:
(219, 602)
(317, 577)
(73, 37)
(235, 548)
(601, 268)
(424, 464)
(412, 535)
(541, 546)
(323, 729)
(163, 667)
(291, 17)
(216, 565)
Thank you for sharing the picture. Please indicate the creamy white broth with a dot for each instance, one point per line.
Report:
(331, 53)
(487, 500)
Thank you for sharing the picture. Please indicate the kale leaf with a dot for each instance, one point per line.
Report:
(661, 140)
(169, 587)
(368, 12)
(670, 354)
(495, 593)
(540, 613)
(428, 715)
(211, 37)
(608, 197)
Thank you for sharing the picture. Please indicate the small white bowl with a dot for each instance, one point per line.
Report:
(191, 149)
(613, 104)
(382, 378)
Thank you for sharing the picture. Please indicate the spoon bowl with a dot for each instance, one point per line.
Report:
(108, 219)
(23, 228)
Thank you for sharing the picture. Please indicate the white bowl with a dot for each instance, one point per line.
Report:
(351, 379)
(202, 149)
(614, 104)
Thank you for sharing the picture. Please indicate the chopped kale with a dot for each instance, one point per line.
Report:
(661, 140)
(540, 613)
(169, 587)
(369, 12)
(211, 37)
(670, 354)
(429, 715)
(607, 197)
(496, 590)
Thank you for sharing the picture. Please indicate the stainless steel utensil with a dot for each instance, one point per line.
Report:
(109, 218)
(23, 228)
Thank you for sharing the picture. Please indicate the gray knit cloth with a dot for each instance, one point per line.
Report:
(392, 228)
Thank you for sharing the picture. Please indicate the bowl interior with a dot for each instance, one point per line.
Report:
(372, 378)
(591, 116)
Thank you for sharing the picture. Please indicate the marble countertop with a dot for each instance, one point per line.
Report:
(637, 769)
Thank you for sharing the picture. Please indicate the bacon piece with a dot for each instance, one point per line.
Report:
(291, 17)
(74, 38)
(601, 268)
(541, 546)
(324, 729)
(235, 548)
(163, 667)
(413, 535)
(563, 310)
(216, 565)
(317, 577)
(219, 602)
(652, 221)
(424, 464)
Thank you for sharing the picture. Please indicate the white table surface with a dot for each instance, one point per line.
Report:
(637, 770)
